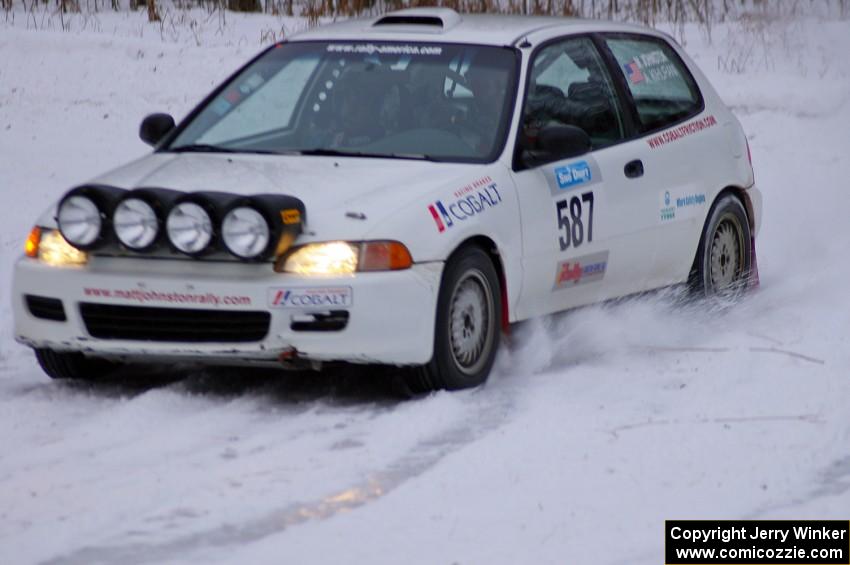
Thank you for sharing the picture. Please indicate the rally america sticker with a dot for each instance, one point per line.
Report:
(317, 297)
(581, 270)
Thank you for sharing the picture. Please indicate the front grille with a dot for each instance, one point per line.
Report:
(46, 308)
(142, 323)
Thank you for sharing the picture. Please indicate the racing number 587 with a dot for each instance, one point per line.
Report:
(570, 223)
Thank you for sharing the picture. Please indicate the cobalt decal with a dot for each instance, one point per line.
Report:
(321, 297)
(471, 200)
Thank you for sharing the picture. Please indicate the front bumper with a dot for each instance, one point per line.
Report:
(391, 315)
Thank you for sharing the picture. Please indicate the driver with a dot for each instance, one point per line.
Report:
(489, 85)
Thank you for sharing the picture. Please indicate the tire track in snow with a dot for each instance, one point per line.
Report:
(833, 482)
(490, 408)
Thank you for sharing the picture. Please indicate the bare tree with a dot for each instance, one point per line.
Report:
(153, 13)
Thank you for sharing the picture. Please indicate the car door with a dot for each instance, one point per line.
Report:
(584, 219)
(675, 146)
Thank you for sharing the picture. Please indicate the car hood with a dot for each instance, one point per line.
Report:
(330, 187)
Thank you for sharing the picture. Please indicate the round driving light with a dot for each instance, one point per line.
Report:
(245, 232)
(79, 220)
(189, 228)
(135, 223)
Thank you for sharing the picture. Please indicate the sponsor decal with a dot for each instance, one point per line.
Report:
(255, 80)
(650, 67)
(672, 208)
(143, 296)
(691, 200)
(221, 106)
(576, 174)
(633, 72)
(573, 175)
(469, 201)
(571, 223)
(384, 49)
(290, 216)
(680, 132)
(251, 84)
(581, 270)
(667, 212)
(473, 186)
(316, 297)
(233, 96)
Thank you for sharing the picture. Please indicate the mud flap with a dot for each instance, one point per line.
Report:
(753, 280)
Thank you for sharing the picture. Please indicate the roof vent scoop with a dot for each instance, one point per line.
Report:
(437, 19)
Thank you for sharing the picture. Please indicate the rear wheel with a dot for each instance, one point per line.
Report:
(72, 365)
(466, 337)
(724, 257)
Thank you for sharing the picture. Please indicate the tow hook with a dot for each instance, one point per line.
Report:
(291, 360)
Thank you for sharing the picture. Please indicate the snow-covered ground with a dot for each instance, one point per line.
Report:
(597, 426)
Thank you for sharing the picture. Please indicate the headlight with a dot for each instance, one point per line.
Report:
(189, 228)
(135, 223)
(79, 220)
(343, 258)
(51, 248)
(332, 258)
(245, 232)
(33, 242)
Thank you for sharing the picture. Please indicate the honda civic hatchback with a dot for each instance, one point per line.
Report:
(397, 191)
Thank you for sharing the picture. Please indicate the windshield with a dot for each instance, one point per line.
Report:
(406, 100)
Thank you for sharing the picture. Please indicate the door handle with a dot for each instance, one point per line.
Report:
(634, 169)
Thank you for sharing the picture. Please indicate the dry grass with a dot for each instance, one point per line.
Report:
(675, 13)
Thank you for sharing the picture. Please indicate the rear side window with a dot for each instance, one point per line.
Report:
(662, 88)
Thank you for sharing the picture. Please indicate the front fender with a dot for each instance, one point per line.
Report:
(483, 204)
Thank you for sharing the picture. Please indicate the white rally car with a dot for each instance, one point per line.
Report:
(397, 191)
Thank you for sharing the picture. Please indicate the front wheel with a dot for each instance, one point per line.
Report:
(466, 337)
(72, 365)
(724, 257)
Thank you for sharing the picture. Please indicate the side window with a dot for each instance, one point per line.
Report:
(662, 88)
(570, 85)
(266, 103)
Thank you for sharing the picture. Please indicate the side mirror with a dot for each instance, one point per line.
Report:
(155, 127)
(557, 142)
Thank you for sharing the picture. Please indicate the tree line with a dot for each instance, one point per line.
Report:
(704, 12)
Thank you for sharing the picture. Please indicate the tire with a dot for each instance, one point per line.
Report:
(70, 365)
(724, 257)
(468, 326)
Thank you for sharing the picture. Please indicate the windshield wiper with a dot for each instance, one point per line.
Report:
(343, 153)
(201, 148)
(207, 148)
